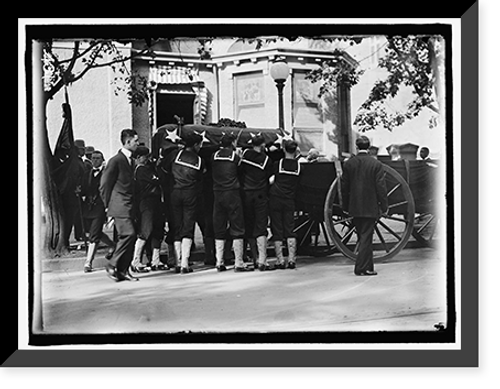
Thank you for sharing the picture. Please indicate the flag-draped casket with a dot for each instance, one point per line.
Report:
(168, 136)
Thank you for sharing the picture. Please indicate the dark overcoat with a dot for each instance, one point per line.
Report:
(117, 187)
(93, 205)
(363, 188)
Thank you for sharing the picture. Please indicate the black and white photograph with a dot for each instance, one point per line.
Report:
(235, 185)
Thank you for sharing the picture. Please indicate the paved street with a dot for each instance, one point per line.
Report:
(322, 294)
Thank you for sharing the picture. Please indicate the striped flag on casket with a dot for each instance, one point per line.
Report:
(167, 136)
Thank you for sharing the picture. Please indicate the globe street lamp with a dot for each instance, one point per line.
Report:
(279, 72)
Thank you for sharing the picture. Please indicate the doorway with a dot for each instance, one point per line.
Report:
(170, 104)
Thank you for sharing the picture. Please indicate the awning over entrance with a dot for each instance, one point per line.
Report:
(164, 74)
(182, 89)
(178, 80)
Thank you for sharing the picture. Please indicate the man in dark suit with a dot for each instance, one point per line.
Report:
(94, 213)
(117, 192)
(364, 198)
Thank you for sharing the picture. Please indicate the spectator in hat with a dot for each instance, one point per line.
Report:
(364, 195)
(88, 153)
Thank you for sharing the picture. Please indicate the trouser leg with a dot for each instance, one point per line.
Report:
(124, 252)
(252, 242)
(90, 256)
(364, 228)
(209, 244)
(172, 261)
(108, 242)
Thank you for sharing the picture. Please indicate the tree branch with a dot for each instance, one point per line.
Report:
(101, 65)
(433, 108)
(78, 55)
(65, 76)
(416, 87)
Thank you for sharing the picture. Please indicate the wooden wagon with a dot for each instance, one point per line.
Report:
(323, 228)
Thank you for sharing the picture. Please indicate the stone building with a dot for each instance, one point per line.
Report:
(234, 82)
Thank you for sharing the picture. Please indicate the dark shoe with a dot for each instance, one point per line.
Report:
(366, 273)
(141, 269)
(281, 266)
(177, 269)
(109, 254)
(186, 270)
(161, 266)
(266, 268)
(221, 268)
(111, 272)
(87, 269)
(243, 269)
(291, 265)
(126, 277)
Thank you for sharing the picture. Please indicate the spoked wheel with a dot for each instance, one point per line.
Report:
(312, 236)
(425, 228)
(392, 231)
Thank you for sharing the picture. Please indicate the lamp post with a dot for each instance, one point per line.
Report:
(279, 72)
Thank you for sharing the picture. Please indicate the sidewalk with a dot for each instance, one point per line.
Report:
(76, 258)
(322, 294)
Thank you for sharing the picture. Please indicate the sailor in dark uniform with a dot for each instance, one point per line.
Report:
(150, 212)
(186, 169)
(255, 170)
(227, 203)
(282, 204)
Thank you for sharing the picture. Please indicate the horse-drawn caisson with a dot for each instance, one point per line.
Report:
(321, 226)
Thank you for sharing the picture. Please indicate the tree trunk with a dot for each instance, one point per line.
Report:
(50, 227)
(437, 65)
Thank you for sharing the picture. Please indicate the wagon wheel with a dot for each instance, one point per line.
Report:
(425, 228)
(312, 236)
(392, 231)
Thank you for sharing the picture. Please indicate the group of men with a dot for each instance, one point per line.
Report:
(248, 189)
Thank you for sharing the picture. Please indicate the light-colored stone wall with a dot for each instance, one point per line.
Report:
(98, 114)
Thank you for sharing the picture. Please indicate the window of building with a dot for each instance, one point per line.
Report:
(308, 115)
(249, 99)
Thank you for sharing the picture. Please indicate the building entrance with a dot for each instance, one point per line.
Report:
(170, 104)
